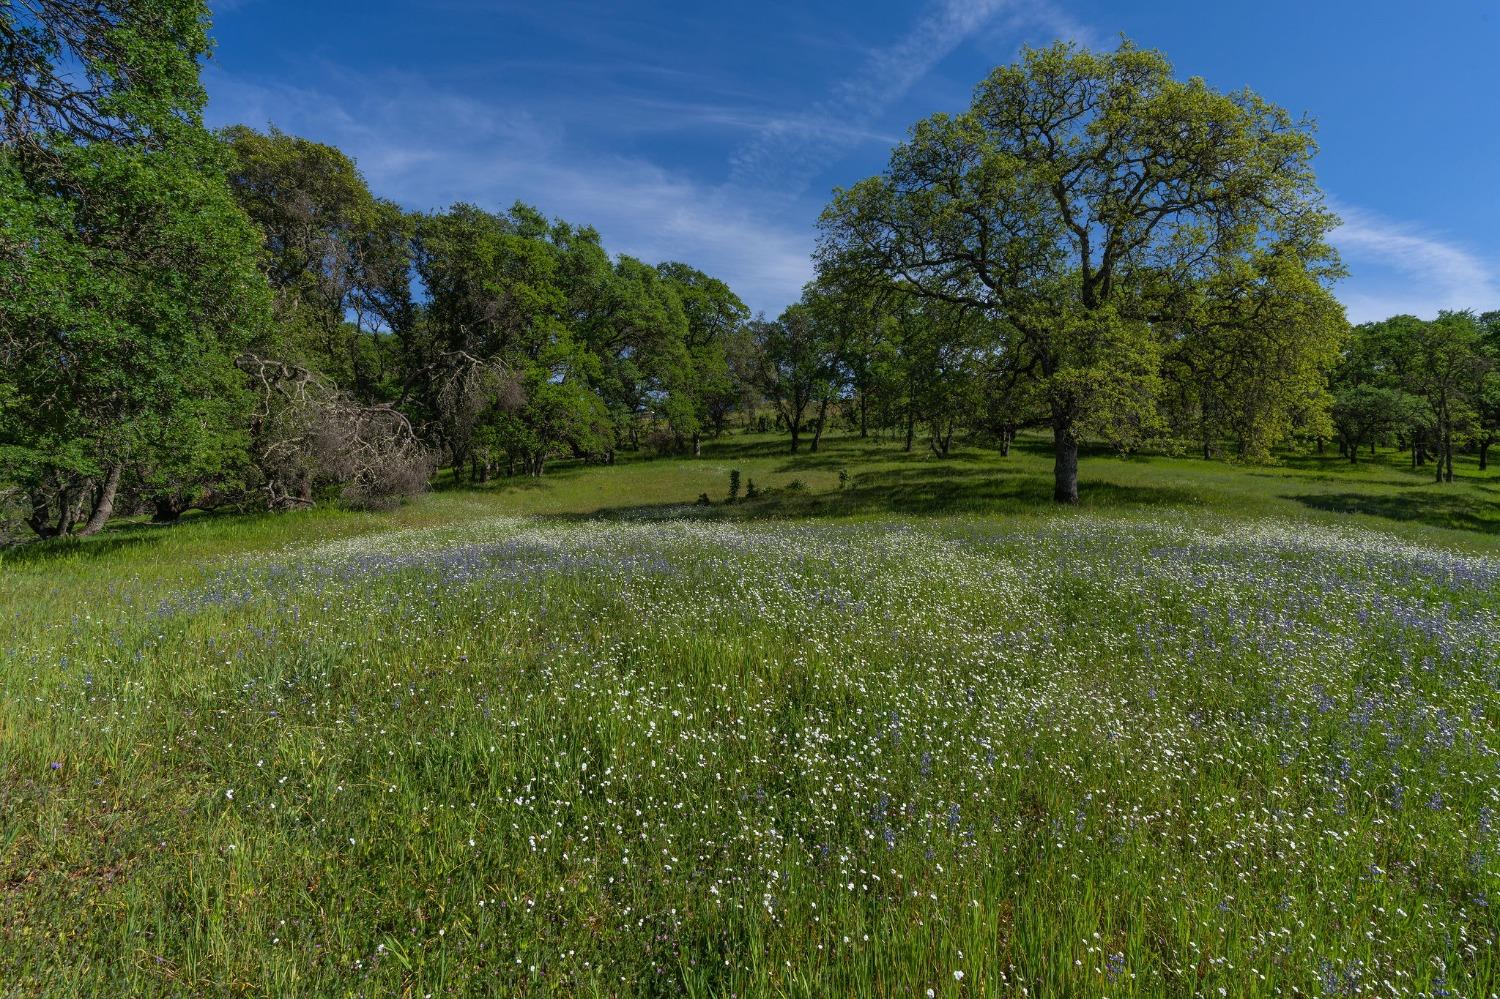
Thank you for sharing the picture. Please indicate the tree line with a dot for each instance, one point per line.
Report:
(233, 319)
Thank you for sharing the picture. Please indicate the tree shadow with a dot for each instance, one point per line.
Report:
(929, 489)
(43, 552)
(1456, 512)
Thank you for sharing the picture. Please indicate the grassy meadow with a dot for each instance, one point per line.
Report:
(908, 731)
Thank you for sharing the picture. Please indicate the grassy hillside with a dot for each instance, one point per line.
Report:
(1221, 731)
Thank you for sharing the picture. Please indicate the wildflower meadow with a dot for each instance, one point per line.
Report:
(1111, 752)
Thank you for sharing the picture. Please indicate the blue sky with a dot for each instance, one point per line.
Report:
(714, 132)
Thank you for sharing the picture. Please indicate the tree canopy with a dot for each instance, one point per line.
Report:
(1075, 201)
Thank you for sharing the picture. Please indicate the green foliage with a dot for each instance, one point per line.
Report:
(337, 257)
(129, 274)
(1251, 363)
(1426, 381)
(117, 71)
(1078, 192)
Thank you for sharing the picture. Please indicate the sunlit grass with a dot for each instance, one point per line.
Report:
(581, 737)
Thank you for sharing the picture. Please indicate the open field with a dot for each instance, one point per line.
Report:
(1220, 731)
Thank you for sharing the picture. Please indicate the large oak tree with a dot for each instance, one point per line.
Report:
(1073, 195)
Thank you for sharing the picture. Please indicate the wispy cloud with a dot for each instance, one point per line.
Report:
(1397, 267)
(789, 151)
(428, 149)
(428, 142)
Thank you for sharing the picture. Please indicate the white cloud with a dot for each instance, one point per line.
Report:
(1397, 267)
(789, 151)
(428, 149)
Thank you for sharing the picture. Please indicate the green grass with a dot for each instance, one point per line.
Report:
(1221, 730)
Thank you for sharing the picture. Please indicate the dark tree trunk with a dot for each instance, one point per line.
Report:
(818, 427)
(864, 414)
(1320, 445)
(69, 510)
(40, 520)
(911, 429)
(1065, 468)
(104, 506)
(1372, 447)
(1484, 455)
(796, 432)
(168, 509)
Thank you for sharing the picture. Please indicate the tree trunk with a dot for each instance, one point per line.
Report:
(1005, 437)
(697, 445)
(69, 509)
(796, 432)
(1448, 451)
(41, 513)
(1320, 445)
(911, 429)
(168, 509)
(818, 427)
(104, 507)
(864, 414)
(1484, 456)
(1065, 469)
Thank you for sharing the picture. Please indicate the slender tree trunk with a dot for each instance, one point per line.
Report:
(1065, 447)
(864, 414)
(697, 445)
(1372, 447)
(1448, 450)
(1484, 455)
(818, 427)
(796, 432)
(104, 507)
(911, 428)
